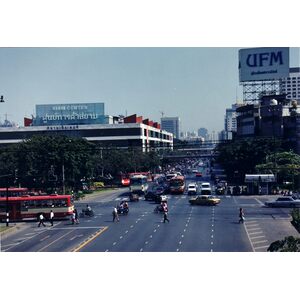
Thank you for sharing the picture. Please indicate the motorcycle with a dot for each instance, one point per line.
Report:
(86, 213)
(134, 197)
(122, 210)
(159, 209)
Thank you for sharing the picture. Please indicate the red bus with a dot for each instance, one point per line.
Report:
(13, 192)
(29, 207)
(177, 185)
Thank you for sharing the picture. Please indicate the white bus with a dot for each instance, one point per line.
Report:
(138, 184)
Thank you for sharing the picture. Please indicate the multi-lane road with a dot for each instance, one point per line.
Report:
(191, 228)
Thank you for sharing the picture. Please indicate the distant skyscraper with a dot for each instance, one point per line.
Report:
(203, 132)
(171, 124)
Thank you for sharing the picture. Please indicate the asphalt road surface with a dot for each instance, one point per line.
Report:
(191, 228)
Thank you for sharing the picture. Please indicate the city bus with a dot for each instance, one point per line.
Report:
(147, 174)
(138, 184)
(30, 207)
(13, 192)
(177, 185)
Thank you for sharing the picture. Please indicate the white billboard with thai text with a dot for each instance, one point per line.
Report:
(263, 63)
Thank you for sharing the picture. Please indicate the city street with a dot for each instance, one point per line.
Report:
(191, 228)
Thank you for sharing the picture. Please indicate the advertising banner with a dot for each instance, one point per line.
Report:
(263, 63)
(69, 114)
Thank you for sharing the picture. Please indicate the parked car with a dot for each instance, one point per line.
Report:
(205, 200)
(198, 174)
(192, 189)
(283, 202)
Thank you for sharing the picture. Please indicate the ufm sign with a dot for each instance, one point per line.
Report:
(263, 63)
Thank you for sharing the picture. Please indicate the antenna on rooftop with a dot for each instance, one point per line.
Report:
(162, 114)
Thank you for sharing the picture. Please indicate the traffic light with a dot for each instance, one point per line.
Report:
(1, 98)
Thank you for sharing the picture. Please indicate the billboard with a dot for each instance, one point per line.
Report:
(263, 63)
(69, 114)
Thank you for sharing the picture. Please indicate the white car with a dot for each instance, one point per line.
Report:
(283, 202)
(192, 189)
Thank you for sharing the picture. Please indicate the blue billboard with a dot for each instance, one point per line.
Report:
(69, 114)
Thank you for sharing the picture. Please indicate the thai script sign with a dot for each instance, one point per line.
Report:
(69, 114)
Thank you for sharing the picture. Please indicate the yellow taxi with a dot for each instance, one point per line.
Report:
(205, 200)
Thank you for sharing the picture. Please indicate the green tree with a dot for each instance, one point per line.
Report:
(239, 157)
(285, 164)
(288, 244)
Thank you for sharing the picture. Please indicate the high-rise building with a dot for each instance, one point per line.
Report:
(291, 85)
(230, 121)
(203, 132)
(171, 124)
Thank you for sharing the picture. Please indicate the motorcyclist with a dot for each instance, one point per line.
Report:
(88, 210)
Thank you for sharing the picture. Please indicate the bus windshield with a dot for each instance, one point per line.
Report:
(176, 182)
(140, 180)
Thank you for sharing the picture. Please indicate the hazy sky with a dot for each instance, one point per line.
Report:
(195, 84)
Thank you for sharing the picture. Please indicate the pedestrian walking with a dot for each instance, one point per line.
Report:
(76, 216)
(166, 214)
(51, 217)
(115, 215)
(41, 219)
(241, 215)
(73, 217)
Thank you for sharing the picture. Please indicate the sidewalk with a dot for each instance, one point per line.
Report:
(13, 227)
(96, 194)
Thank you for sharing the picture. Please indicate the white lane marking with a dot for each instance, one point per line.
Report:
(212, 236)
(8, 245)
(150, 236)
(177, 250)
(182, 236)
(114, 243)
(19, 240)
(126, 231)
(44, 238)
(154, 230)
(141, 250)
(260, 202)
(180, 242)
(76, 236)
(117, 199)
(106, 250)
(255, 232)
(258, 237)
(146, 242)
(253, 228)
(28, 234)
(260, 242)
(131, 226)
(121, 237)
(261, 247)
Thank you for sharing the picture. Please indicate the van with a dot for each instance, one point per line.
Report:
(205, 188)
